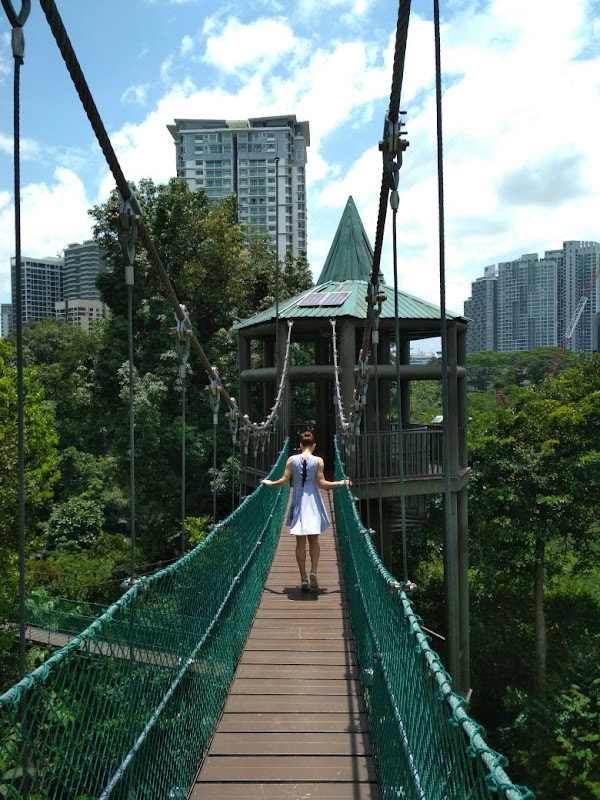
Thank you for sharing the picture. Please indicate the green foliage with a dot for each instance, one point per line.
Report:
(556, 743)
(425, 401)
(40, 448)
(196, 529)
(93, 573)
(536, 478)
(74, 524)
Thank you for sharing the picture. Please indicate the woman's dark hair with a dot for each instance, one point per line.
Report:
(307, 439)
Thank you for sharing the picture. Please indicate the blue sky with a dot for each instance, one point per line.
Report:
(521, 116)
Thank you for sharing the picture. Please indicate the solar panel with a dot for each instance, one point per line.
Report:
(336, 298)
(315, 299)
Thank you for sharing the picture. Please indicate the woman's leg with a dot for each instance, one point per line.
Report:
(314, 549)
(301, 554)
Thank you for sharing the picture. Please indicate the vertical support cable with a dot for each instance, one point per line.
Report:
(183, 401)
(214, 474)
(18, 47)
(450, 544)
(232, 475)
(129, 279)
(399, 398)
(368, 494)
(277, 365)
(378, 442)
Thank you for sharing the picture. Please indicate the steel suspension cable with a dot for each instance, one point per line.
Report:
(451, 578)
(392, 116)
(70, 58)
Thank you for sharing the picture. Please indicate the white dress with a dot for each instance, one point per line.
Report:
(307, 514)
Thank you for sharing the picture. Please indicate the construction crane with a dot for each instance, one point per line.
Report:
(575, 319)
(500, 397)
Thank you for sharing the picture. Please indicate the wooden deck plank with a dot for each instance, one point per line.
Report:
(308, 645)
(334, 704)
(293, 686)
(286, 791)
(312, 631)
(286, 624)
(299, 657)
(277, 769)
(291, 743)
(309, 672)
(286, 722)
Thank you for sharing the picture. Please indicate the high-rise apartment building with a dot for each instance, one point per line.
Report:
(62, 287)
(42, 286)
(80, 312)
(5, 319)
(482, 309)
(527, 303)
(536, 301)
(83, 264)
(261, 160)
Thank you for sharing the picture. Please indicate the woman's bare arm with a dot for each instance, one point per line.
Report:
(284, 478)
(324, 484)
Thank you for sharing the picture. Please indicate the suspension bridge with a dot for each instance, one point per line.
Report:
(215, 676)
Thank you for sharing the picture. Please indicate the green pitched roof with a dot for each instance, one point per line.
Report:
(355, 305)
(350, 256)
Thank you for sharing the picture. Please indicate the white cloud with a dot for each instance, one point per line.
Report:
(5, 57)
(51, 216)
(519, 165)
(166, 69)
(520, 126)
(137, 94)
(187, 45)
(29, 148)
(236, 45)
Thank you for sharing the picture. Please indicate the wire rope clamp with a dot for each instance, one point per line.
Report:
(233, 415)
(127, 231)
(245, 432)
(214, 395)
(182, 333)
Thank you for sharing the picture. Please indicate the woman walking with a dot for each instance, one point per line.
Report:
(307, 516)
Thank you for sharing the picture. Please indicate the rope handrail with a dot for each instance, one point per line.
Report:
(422, 745)
(111, 705)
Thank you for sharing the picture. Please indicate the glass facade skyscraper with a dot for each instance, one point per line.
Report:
(536, 300)
(42, 286)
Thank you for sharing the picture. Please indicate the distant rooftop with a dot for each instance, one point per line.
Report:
(354, 305)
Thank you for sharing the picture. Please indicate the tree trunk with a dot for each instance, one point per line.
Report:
(540, 618)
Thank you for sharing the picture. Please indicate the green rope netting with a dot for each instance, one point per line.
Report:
(426, 745)
(127, 709)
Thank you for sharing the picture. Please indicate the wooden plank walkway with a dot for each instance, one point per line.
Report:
(294, 726)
